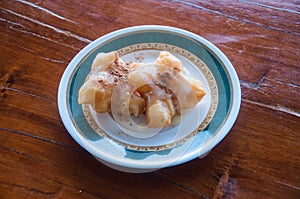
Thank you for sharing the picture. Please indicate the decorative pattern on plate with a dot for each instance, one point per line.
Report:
(213, 90)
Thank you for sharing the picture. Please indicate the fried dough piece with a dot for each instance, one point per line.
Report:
(198, 89)
(97, 91)
(106, 70)
(158, 114)
(103, 60)
(193, 91)
(167, 59)
(94, 91)
(159, 107)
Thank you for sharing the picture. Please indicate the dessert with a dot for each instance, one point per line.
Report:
(159, 90)
(106, 70)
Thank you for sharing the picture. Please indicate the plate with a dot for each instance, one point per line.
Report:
(200, 135)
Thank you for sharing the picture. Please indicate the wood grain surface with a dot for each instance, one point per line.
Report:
(260, 157)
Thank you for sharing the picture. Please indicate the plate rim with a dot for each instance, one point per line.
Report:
(224, 128)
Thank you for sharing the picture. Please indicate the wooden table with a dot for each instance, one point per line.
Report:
(260, 157)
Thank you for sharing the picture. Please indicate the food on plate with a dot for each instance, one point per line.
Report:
(159, 90)
(106, 70)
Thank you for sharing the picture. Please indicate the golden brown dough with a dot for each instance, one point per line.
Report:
(106, 70)
(158, 114)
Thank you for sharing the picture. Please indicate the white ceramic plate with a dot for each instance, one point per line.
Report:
(195, 139)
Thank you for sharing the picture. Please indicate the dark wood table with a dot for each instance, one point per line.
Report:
(260, 157)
